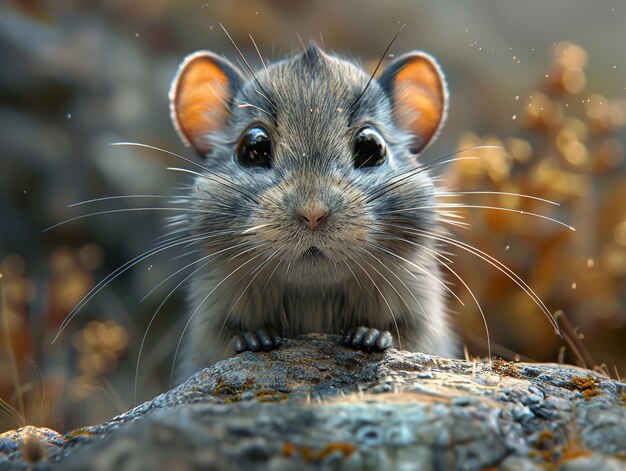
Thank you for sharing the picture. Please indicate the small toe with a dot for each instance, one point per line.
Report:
(252, 341)
(239, 343)
(276, 339)
(359, 335)
(371, 338)
(385, 340)
(265, 340)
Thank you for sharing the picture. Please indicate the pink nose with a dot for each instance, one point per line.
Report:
(312, 218)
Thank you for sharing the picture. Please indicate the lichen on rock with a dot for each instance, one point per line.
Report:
(316, 404)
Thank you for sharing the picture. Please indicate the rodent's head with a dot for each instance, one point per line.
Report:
(311, 159)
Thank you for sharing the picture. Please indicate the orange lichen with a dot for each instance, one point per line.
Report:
(544, 455)
(223, 389)
(288, 449)
(230, 393)
(545, 435)
(309, 455)
(586, 385)
(572, 450)
(505, 368)
(81, 432)
(346, 449)
(544, 444)
(269, 395)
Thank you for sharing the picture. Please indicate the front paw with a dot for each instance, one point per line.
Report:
(368, 339)
(261, 340)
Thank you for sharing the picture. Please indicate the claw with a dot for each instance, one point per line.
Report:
(262, 339)
(368, 339)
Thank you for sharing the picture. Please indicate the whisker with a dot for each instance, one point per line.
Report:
(125, 210)
(252, 229)
(382, 58)
(453, 215)
(175, 199)
(250, 105)
(176, 231)
(173, 154)
(460, 151)
(301, 41)
(460, 225)
(260, 93)
(503, 193)
(216, 233)
(258, 52)
(107, 198)
(496, 208)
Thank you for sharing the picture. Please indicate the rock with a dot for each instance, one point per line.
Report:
(314, 404)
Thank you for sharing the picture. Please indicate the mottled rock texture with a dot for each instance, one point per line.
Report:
(314, 404)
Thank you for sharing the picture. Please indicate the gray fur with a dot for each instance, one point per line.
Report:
(305, 103)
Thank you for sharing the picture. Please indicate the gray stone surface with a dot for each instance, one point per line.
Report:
(314, 404)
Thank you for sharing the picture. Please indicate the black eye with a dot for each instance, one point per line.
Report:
(255, 148)
(369, 148)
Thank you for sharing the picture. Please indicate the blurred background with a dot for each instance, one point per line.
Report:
(546, 81)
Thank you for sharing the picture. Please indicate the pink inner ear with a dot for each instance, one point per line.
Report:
(199, 101)
(419, 99)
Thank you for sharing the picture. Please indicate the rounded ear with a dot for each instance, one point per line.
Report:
(201, 96)
(417, 88)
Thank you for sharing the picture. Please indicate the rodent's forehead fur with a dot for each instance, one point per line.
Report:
(308, 104)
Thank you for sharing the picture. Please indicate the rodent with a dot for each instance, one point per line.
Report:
(297, 211)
